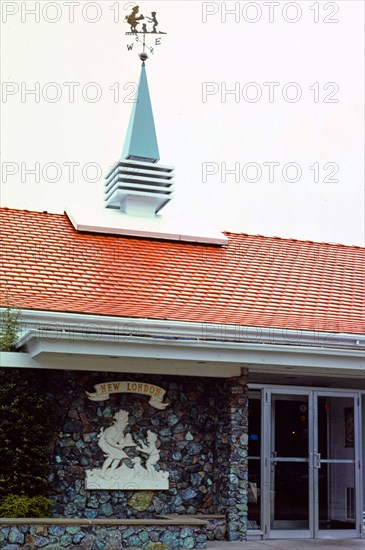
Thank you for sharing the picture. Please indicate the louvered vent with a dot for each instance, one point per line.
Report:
(139, 188)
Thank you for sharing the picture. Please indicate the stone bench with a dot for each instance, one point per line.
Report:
(167, 533)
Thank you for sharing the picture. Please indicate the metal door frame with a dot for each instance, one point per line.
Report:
(339, 533)
(268, 427)
(313, 393)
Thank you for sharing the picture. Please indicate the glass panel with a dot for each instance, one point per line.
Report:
(336, 428)
(336, 496)
(289, 463)
(336, 475)
(254, 460)
(291, 426)
(291, 506)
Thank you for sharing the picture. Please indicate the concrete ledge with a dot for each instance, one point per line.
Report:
(216, 524)
(160, 520)
(192, 516)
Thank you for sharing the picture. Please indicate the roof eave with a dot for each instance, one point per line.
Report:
(53, 322)
(105, 352)
(67, 341)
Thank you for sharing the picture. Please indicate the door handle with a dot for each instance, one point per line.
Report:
(274, 454)
(317, 460)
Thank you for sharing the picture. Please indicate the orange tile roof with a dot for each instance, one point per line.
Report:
(254, 281)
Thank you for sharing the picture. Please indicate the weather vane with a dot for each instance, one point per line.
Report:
(148, 27)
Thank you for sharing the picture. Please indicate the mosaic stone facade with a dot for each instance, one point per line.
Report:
(203, 446)
(232, 445)
(54, 537)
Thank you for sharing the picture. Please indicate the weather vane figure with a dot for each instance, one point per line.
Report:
(149, 26)
(153, 20)
(133, 19)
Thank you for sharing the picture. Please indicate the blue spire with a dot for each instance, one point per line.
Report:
(141, 141)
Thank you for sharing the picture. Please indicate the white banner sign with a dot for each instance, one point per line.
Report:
(155, 393)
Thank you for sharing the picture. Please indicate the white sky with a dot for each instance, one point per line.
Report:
(322, 130)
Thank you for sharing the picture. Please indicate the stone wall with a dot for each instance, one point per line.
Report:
(203, 446)
(101, 537)
(231, 464)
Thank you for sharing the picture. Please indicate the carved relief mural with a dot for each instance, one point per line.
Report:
(116, 471)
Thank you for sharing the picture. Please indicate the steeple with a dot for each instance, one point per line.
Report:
(137, 185)
(141, 140)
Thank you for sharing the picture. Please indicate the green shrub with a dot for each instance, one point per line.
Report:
(9, 328)
(20, 506)
(27, 423)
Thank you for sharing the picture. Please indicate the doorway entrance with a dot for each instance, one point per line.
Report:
(304, 463)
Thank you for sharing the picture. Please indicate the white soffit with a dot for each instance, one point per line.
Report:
(95, 219)
(162, 349)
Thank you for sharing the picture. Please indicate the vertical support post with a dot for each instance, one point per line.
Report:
(232, 463)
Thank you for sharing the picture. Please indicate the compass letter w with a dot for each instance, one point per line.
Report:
(130, 46)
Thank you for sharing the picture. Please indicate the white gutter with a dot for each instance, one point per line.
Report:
(113, 344)
(50, 323)
(68, 351)
(190, 350)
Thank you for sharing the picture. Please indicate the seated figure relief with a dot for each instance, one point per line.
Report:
(114, 473)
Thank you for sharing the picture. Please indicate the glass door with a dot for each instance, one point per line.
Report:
(336, 462)
(311, 469)
(291, 482)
